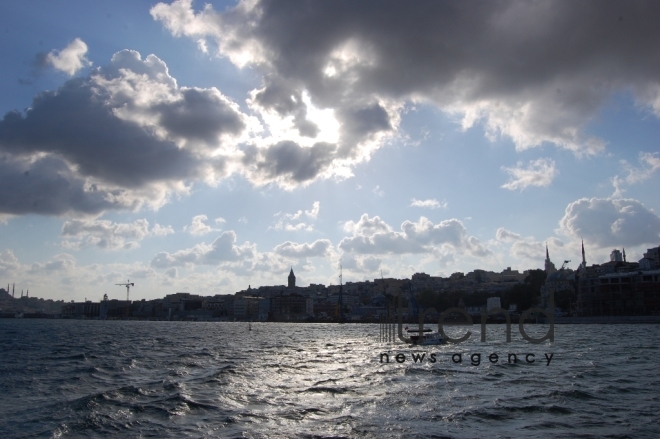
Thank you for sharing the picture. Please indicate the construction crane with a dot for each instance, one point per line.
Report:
(128, 286)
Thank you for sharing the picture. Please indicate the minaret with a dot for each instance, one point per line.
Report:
(584, 260)
(624, 254)
(292, 279)
(549, 266)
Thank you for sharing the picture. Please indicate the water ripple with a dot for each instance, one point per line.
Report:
(63, 379)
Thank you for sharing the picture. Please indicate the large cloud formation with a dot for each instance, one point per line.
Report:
(533, 71)
(336, 79)
(608, 222)
(375, 236)
(124, 136)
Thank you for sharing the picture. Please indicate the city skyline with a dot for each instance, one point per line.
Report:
(205, 149)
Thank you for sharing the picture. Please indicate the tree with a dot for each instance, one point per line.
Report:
(527, 294)
(427, 299)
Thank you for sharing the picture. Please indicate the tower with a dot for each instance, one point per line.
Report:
(292, 279)
(549, 266)
(584, 260)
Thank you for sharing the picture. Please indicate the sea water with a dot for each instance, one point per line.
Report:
(130, 379)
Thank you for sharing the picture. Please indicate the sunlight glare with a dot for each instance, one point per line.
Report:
(324, 119)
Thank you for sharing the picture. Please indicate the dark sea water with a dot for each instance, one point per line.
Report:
(73, 379)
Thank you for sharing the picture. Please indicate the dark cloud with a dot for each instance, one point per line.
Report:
(38, 64)
(289, 161)
(200, 115)
(48, 186)
(123, 136)
(285, 100)
(363, 121)
(74, 123)
(535, 71)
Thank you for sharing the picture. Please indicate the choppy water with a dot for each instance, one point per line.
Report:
(181, 379)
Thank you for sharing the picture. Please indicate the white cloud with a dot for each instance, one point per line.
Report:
(539, 172)
(222, 249)
(378, 191)
(242, 260)
(158, 230)
(142, 273)
(374, 236)
(292, 221)
(199, 228)
(610, 222)
(109, 235)
(367, 226)
(528, 249)
(649, 164)
(314, 213)
(8, 263)
(319, 248)
(361, 264)
(505, 235)
(62, 264)
(70, 59)
(431, 203)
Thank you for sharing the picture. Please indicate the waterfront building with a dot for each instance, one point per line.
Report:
(619, 288)
(81, 310)
(492, 303)
(292, 307)
(246, 308)
(616, 255)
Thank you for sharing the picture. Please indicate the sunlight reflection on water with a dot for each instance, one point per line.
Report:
(183, 379)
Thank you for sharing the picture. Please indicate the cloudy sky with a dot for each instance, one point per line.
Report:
(205, 147)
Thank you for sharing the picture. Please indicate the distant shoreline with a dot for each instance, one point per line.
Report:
(607, 320)
(613, 320)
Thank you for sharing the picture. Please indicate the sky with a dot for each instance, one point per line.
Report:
(207, 147)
